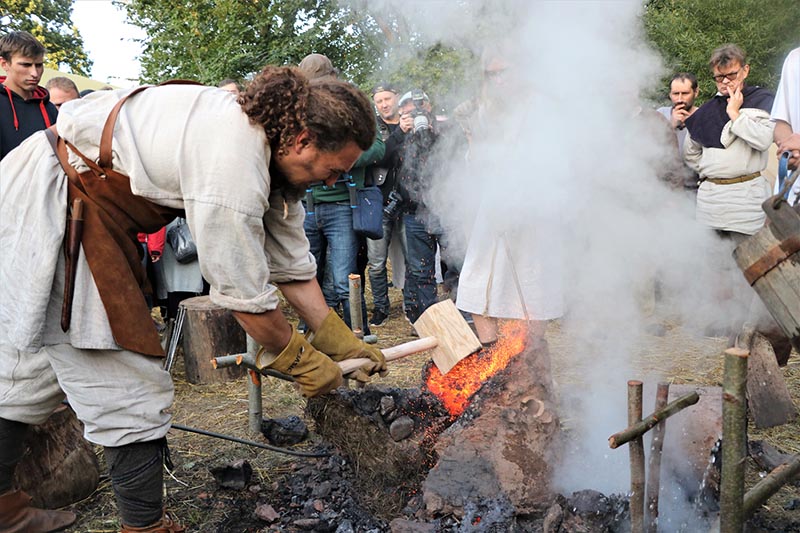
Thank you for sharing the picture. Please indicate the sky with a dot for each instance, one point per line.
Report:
(109, 41)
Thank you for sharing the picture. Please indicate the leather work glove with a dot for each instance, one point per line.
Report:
(312, 370)
(335, 339)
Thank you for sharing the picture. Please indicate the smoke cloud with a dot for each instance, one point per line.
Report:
(570, 156)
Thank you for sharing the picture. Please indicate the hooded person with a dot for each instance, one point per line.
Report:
(25, 106)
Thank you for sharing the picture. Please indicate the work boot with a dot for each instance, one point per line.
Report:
(166, 525)
(17, 515)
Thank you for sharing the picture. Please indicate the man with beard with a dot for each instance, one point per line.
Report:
(235, 170)
(683, 91)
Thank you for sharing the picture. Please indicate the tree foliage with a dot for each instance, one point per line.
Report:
(50, 21)
(210, 41)
(687, 31)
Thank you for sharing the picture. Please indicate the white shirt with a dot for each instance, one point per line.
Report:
(182, 146)
(787, 104)
(733, 207)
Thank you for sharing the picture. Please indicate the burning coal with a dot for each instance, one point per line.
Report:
(456, 387)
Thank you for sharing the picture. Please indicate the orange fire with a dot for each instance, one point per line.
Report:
(457, 387)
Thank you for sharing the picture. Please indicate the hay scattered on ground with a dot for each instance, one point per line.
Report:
(677, 356)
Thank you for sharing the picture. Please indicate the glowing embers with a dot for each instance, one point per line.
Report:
(465, 379)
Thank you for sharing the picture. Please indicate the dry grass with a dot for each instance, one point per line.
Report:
(677, 356)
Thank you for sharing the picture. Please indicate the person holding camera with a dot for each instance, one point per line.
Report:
(427, 143)
(384, 174)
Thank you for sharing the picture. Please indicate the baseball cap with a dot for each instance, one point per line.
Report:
(381, 87)
(317, 66)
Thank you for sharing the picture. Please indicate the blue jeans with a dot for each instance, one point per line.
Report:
(334, 245)
(377, 252)
(419, 291)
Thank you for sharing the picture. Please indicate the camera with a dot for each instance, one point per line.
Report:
(421, 120)
(392, 208)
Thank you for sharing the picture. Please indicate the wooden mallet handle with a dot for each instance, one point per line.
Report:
(393, 353)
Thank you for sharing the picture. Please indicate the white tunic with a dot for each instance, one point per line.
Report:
(185, 147)
(733, 207)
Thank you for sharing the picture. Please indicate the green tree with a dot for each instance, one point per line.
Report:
(209, 41)
(687, 31)
(50, 21)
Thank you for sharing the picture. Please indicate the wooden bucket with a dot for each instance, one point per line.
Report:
(770, 261)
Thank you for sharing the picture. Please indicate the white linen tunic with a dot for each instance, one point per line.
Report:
(185, 147)
(737, 206)
(182, 146)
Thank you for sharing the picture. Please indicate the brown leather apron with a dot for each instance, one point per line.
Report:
(112, 218)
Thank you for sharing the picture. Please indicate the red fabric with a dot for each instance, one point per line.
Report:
(155, 241)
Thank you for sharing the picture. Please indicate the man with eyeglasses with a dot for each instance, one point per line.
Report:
(727, 146)
(25, 106)
(728, 140)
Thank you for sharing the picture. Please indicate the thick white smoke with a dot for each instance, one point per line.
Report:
(571, 152)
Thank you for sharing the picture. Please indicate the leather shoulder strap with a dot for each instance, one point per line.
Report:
(108, 129)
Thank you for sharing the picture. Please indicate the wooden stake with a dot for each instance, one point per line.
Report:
(734, 441)
(636, 448)
(640, 428)
(768, 486)
(356, 319)
(654, 464)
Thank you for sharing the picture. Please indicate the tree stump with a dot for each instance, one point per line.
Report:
(210, 331)
(59, 467)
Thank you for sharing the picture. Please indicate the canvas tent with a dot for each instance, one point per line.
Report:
(82, 82)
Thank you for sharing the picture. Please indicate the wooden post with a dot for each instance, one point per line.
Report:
(654, 464)
(60, 466)
(209, 331)
(770, 485)
(636, 448)
(356, 318)
(734, 441)
(254, 397)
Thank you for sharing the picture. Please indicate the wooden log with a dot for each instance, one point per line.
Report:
(734, 441)
(767, 456)
(768, 398)
(356, 318)
(59, 467)
(643, 426)
(209, 331)
(654, 463)
(636, 448)
(771, 484)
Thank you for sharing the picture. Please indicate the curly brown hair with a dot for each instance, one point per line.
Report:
(284, 102)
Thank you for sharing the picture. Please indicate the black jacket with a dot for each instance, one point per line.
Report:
(19, 118)
(384, 173)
